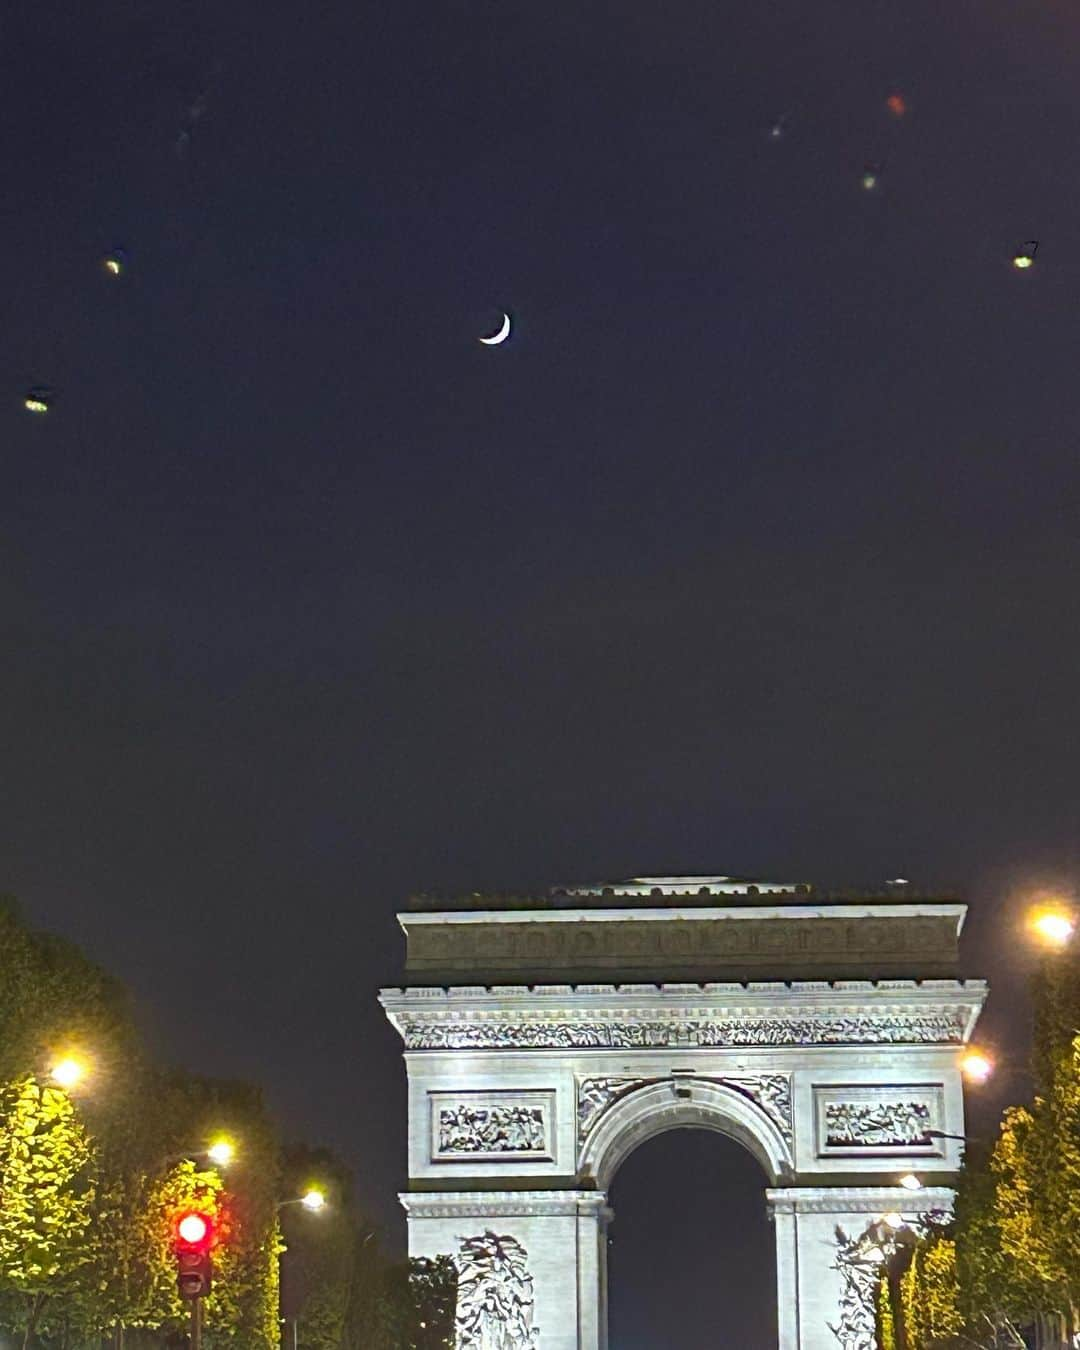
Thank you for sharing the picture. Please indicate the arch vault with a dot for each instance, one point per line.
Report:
(547, 1037)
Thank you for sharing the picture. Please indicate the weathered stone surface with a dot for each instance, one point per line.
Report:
(872, 939)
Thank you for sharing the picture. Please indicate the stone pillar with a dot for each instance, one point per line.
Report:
(549, 1247)
(818, 1307)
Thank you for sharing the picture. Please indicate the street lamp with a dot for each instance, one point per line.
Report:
(221, 1152)
(68, 1072)
(312, 1200)
(1053, 925)
(976, 1066)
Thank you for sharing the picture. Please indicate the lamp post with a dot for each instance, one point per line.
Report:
(314, 1201)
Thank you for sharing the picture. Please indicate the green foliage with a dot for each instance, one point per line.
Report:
(929, 1294)
(1008, 1271)
(90, 1189)
(884, 1317)
(432, 1304)
(47, 1191)
(91, 1186)
(418, 1305)
(52, 1000)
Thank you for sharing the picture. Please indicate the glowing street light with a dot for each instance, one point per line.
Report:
(976, 1067)
(67, 1072)
(313, 1199)
(910, 1182)
(1053, 925)
(1024, 257)
(221, 1152)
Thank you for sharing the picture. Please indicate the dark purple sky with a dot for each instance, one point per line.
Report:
(754, 550)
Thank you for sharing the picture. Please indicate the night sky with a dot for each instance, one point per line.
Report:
(755, 549)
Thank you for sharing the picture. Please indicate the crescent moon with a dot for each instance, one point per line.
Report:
(500, 336)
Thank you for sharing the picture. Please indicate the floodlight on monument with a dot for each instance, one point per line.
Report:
(910, 1182)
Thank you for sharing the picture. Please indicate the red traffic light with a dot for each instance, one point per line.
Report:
(194, 1231)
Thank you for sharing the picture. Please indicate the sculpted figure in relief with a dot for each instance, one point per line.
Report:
(876, 1124)
(491, 1129)
(495, 1295)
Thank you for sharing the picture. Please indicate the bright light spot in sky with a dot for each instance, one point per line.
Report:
(313, 1200)
(220, 1152)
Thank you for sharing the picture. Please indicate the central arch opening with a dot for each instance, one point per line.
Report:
(692, 1254)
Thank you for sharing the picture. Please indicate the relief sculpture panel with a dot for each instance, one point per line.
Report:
(492, 1126)
(495, 1295)
(871, 1120)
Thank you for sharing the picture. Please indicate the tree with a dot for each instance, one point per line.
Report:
(432, 1304)
(47, 1190)
(1007, 1271)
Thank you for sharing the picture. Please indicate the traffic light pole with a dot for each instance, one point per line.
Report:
(196, 1324)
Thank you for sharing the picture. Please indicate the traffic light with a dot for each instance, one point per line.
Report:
(194, 1238)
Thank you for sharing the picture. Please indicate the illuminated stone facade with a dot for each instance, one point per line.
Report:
(530, 1083)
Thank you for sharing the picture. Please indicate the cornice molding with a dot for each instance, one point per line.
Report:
(711, 1016)
(503, 1204)
(859, 1200)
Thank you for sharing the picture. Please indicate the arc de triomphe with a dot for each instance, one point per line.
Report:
(546, 1037)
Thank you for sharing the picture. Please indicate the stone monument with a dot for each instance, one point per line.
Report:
(547, 1036)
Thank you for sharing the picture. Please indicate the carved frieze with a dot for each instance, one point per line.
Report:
(495, 1295)
(770, 1091)
(945, 1026)
(595, 1095)
(479, 1127)
(861, 1119)
(876, 1124)
(491, 1129)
